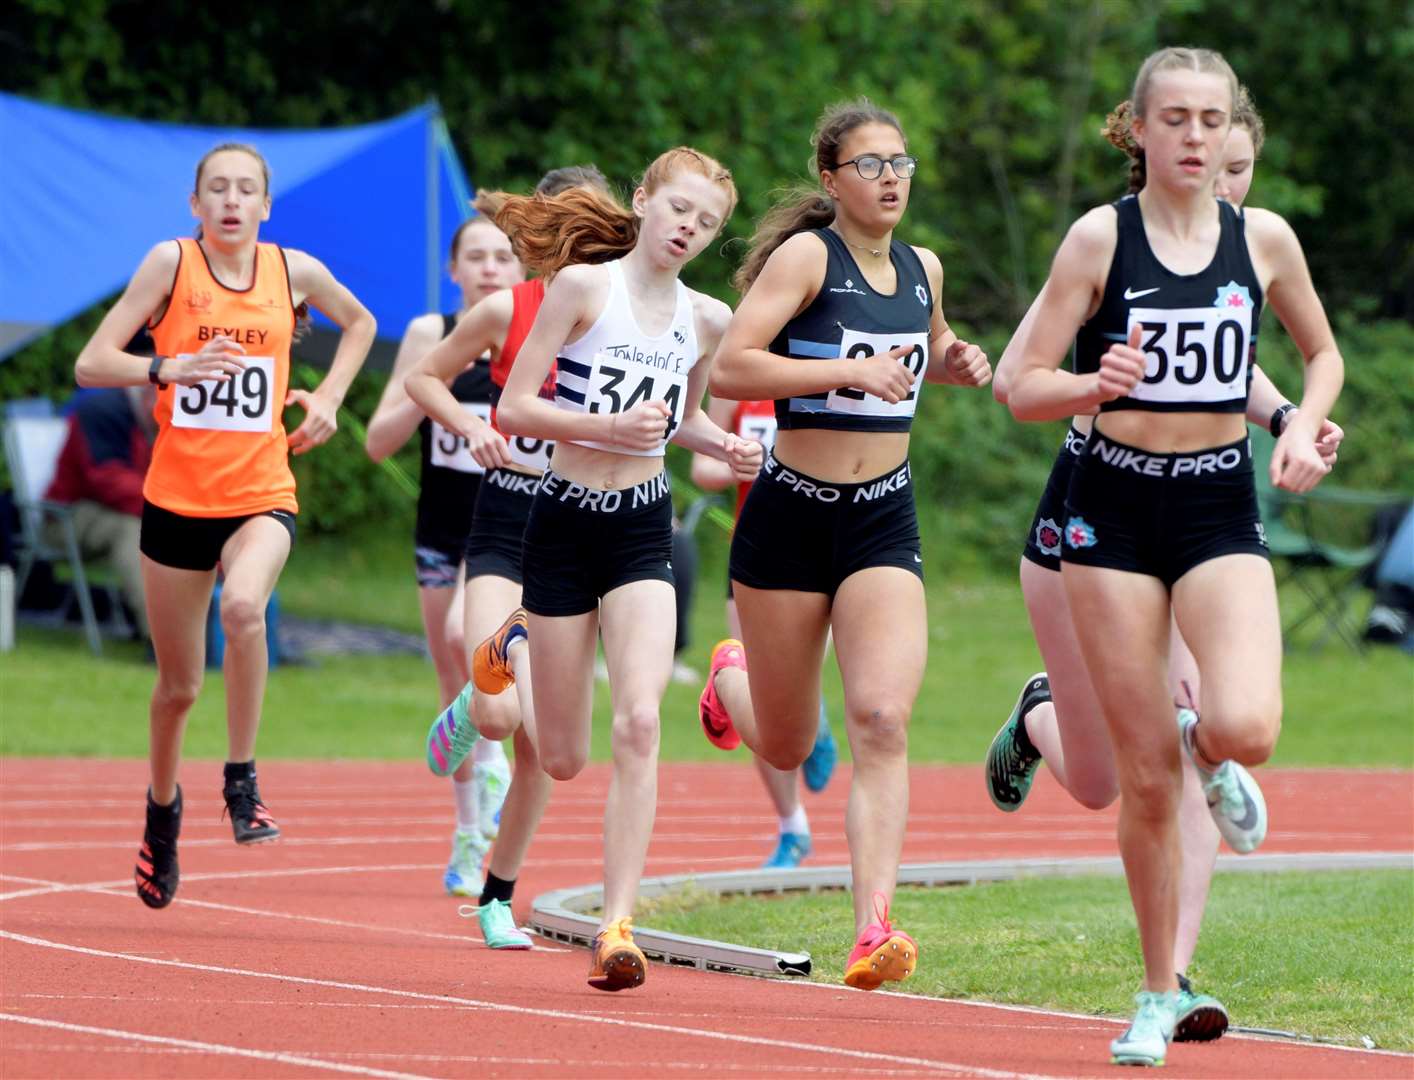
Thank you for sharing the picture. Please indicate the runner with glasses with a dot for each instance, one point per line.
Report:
(841, 324)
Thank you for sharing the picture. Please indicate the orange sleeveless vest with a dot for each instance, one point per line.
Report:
(220, 449)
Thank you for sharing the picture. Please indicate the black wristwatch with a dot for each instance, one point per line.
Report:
(1278, 417)
(152, 372)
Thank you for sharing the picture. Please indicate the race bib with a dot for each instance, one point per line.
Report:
(244, 402)
(617, 384)
(855, 344)
(531, 453)
(1193, 354)
(760, 428)
(450, 450)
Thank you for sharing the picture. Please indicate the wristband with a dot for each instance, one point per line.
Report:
(152, 372)
(1278, 417)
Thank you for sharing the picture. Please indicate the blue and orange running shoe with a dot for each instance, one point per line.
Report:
(156, 874)
(452, 735)
(491, 663)
(881, 954)
(824, 755)
(716, 721)
(617, 963)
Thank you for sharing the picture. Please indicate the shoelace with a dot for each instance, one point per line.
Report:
(244, 805)
(1012, 757)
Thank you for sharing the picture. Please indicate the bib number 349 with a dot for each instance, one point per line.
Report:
(244, 402)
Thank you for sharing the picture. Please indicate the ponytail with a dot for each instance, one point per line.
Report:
(1118, 130)
(550, 232)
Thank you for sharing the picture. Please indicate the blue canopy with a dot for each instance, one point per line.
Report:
(83, 197)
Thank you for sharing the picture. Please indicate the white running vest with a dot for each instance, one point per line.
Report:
(615, 366)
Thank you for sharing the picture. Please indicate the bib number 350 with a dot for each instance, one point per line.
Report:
(856, 345)
(1193, 354)
(244, 402)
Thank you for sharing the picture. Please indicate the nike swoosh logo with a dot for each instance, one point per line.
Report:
(1130, 294)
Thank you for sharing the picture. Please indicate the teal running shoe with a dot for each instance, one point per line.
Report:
(498, 925)
(1012, 760)
(493, 781)
(1146, 1042)
(1201, 1017)
(1234, 798)
(820, 765)
(463, 874)
(451, 736)
(790, 850)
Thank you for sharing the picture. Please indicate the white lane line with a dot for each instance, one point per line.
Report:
(213, 1048)
(548, 1014)
(121, 890)
(563, 1065)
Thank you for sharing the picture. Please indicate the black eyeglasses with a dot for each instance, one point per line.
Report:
(871, 166)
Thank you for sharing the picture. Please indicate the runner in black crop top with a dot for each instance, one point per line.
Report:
(849, 319)
(1199, 331)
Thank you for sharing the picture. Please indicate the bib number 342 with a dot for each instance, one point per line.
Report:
(856, 345)
(244, 402)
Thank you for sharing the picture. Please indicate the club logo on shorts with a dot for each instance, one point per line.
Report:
(1079, 534)
(922, 294)
(1233, 295)
(1048, 537)
(1261, 533)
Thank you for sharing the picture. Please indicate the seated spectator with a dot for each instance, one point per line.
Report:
(100, 473)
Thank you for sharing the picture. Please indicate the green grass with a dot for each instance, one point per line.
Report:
(980, 649)
(1321, 954)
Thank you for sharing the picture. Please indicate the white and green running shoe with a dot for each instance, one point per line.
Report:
(498, 925)
(463, 876)
(1201, 1017)
(1146, 1042)
(1234, 799)
(493, 781)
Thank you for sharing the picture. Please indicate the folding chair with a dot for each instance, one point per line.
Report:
(1329, 574)
(32, 447)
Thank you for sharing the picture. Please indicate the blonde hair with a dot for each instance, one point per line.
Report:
(244, 148)
(1246, 116)
(806, 206)
(586, 225)
(1119, 125)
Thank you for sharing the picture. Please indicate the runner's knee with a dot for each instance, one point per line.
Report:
(242, 617)
(636, 730)
(879, 728)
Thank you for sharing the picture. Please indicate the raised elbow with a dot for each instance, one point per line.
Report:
(84, 373)
(1001, 387)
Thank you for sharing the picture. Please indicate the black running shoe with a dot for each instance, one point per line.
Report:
(250, 821)
(156, 872)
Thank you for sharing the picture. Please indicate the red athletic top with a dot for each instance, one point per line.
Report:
(526, 298)
(753, 420)
(220, 448)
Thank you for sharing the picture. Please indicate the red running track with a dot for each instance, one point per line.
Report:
(334, 952)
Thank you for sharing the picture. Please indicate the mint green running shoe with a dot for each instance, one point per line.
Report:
(1011, 759)
(1201, 1017)
(1234, 798)
(1146, 1042)
(451, 736)
(498, 925)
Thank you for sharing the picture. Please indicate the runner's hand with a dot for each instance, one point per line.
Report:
(643, 427)
(744, 456)
(485, 444)
(321, 420)
(1297, 464)
(1122, 366)
(967, 364)
(218, 360)
(884, 375)
(1328, 441)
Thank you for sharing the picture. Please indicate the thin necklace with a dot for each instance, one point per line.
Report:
(876, 252)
